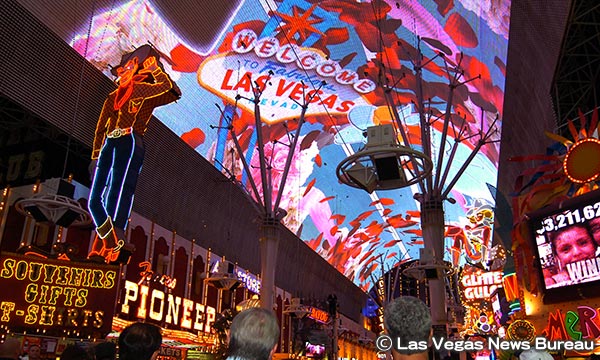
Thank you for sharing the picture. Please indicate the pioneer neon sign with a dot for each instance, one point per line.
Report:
(153, 304)
(147, 275)
(286, 74)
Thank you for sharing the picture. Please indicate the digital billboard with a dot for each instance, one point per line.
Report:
(567, 238)
(339, 53)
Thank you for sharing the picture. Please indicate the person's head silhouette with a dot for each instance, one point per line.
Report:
(253, 335)
(407, 318)
(139, 341)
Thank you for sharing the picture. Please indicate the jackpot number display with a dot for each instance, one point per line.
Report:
(570, 217)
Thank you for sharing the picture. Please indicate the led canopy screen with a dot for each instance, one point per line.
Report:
(343, 52)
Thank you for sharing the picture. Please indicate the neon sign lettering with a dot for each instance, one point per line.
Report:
(511, 287)
(62, 276)
(381, 290)
(252, 282)
(476, 288)
(48, 295)
(583, 324)
(489, 278)
(481, 285)
(147, 275)
(318, 315)
(159, 306)
(246, 41)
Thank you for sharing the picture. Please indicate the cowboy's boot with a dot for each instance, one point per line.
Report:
(104, 229)
(96, 254)
(121, 252)
(111, 243)
(122, 256)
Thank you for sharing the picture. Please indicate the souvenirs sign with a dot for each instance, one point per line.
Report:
(57, 297)
(285, 74)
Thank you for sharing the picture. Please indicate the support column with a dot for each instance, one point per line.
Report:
(269, 245)
(335, 349)
(432, 223)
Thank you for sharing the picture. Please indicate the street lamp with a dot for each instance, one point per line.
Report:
(297, 312)
(414, 167)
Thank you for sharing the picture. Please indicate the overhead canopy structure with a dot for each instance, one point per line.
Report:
(345, 44)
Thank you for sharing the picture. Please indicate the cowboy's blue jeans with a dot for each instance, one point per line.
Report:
(119, 165)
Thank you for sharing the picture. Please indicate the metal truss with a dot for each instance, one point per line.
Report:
(576, 83)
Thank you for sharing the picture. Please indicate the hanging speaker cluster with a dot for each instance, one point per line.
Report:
(296, 309)
(428, 268)
(55, 205)
(222, 276)
(383, 164)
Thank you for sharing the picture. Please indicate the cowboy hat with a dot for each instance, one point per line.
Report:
(142, 53)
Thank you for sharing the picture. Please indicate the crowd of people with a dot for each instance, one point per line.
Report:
(254, 335)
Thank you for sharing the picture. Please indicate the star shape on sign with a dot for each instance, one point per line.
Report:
(300, 24)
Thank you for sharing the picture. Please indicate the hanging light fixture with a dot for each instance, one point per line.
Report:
(428, 267)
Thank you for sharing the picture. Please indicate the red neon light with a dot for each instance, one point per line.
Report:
(582, 162)
(511, 287)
